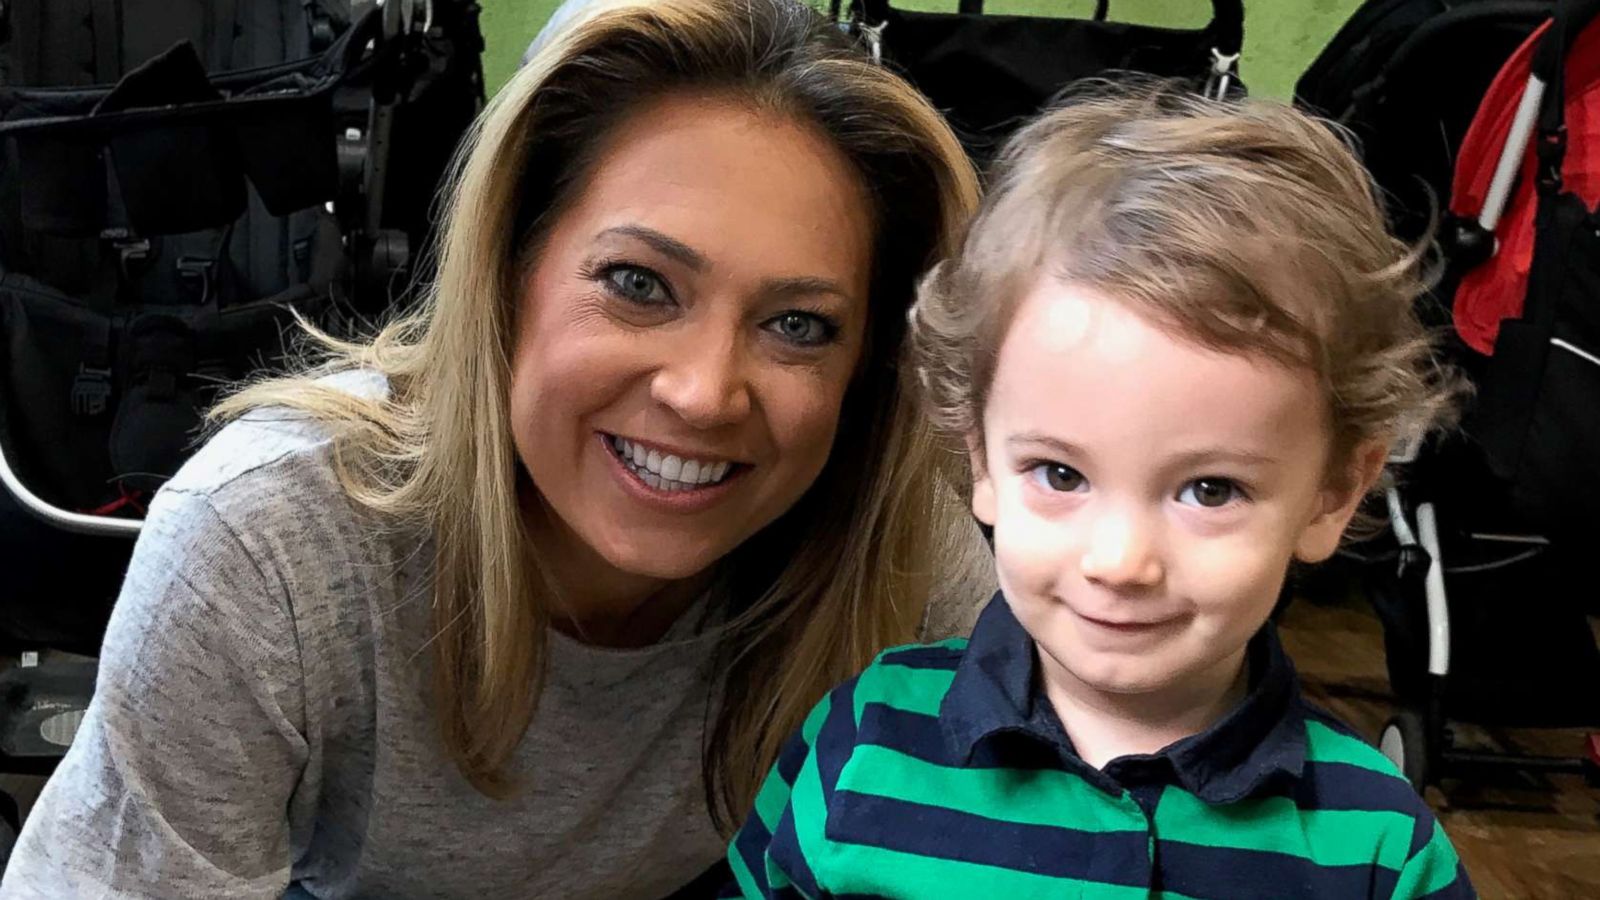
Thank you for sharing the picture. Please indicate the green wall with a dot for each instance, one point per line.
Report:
(1281, 36)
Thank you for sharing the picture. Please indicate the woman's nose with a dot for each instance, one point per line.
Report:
(703, 379)
(1122, 551)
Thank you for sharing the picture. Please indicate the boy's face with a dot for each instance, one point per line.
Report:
(1147, 494)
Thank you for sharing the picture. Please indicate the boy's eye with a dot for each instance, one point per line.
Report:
(636, 284)
(1210, 492)
(1058, 477)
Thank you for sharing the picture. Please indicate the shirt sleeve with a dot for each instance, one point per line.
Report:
(778, 851)
(1433, 871)
(179, 780)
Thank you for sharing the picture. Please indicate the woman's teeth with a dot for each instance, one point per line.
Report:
(665, 472)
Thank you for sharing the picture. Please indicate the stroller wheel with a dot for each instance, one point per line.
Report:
(1405, 742)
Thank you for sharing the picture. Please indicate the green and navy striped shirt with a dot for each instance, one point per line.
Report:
(942, 771)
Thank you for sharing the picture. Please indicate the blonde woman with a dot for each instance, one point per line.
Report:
(521, 598)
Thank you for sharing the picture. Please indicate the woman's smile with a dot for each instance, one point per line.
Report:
(666, 480)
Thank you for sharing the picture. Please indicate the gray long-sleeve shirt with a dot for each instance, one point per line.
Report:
(263, 717)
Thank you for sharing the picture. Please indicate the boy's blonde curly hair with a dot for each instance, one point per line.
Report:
(1243, 225)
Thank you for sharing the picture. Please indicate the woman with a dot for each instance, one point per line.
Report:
(520, 598)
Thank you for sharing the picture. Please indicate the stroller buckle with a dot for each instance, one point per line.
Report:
(91, 391)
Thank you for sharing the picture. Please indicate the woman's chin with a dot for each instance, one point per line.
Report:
(663, 561)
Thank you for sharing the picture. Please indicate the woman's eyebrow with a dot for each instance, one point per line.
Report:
(796, 286)
(801, 286)
(666, 246)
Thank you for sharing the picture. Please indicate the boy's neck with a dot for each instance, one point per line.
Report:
(1105, 725)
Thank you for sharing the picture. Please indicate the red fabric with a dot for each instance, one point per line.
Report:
(1495, 290)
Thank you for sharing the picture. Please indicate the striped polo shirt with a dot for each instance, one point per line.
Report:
(942, 771)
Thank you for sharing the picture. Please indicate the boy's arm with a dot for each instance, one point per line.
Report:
(775, 854)
(1433, 871)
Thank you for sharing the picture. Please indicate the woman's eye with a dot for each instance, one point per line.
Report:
(636, 284)
(1058, 477)
(803, 329)
(1210, 492)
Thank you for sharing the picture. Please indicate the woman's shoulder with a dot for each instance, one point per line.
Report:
(267, 485)
(257, 528)
(281, 441)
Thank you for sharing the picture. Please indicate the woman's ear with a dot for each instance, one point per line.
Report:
(983, 501)
(1339, 500)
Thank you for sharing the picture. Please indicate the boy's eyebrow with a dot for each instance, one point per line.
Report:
(1186, 459)
(1190, 458)
(1037, 439)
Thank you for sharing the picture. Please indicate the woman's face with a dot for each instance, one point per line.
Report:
(686, 333)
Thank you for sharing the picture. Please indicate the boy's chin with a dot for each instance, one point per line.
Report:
(1128, 682)
(1127, 674)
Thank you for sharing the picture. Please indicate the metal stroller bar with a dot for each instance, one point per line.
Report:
(1505, 171)
(78, 523)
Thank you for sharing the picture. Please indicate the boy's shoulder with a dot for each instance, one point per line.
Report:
(915, 668)
(933, 654)
(908, 679)
(1345, 771)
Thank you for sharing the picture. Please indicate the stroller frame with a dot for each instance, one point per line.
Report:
(41, 706)
(1419, 740)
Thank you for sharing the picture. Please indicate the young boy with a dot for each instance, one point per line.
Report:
(1176, 345)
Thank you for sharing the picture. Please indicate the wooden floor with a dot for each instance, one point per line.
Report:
(1523, 837)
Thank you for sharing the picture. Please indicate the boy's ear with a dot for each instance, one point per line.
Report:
(983, 501)
(1339, 501)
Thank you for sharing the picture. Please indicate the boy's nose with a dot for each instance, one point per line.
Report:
(1121, 552)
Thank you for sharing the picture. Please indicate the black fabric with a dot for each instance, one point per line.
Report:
(1406, 77)
(1520, 641)
(63, 184)
(84, 42)
(705, 886)
(1538, 415)
(178, 144)
(174, 176)
(990, 72)
(156, 232)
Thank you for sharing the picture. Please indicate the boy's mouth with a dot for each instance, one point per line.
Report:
(1129, 626)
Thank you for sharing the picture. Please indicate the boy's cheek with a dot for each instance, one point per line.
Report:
(1031, 552)
(1235, 576)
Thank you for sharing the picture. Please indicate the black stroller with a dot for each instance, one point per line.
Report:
(988, 73)
(172, 184)
(1479, 592)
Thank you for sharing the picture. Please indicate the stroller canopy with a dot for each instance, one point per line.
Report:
(1495, 290)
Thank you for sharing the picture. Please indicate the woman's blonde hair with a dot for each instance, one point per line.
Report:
(837, 578)
(1246, 226)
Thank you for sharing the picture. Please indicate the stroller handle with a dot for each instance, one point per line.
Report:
(78, 523)
(1227, 17)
